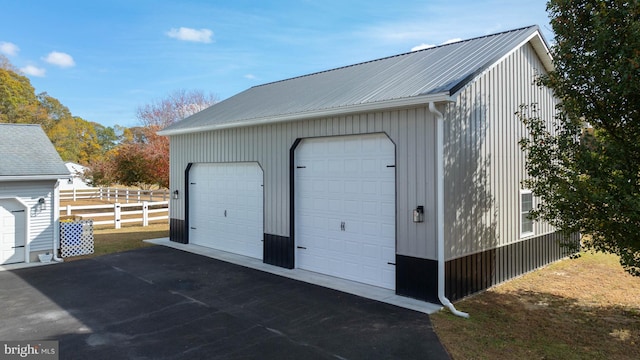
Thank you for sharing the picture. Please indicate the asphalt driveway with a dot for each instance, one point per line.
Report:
(162, 303)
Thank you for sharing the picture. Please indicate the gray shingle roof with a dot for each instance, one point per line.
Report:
(435, 74)
(25, 150)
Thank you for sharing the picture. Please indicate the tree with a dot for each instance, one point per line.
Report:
(18, 102)
(76, 140)
(588, 181)
(175, 107)
(101, 171)
(144, 160)
(143, 157)
(107, 137)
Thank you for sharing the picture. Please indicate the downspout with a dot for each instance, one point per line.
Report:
(56, 221)
(440, 209)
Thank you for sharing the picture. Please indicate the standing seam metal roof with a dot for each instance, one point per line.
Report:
(439, 70)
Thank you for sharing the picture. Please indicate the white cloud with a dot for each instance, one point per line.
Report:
(187, 34)
(427, 46)
(8, 48)
(60, 59)
(250, 77)
(422, 47)
(451, 41)
(33, 71)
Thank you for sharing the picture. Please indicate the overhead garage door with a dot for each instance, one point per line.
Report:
(12, 232)
(345, 207)
(226, 207)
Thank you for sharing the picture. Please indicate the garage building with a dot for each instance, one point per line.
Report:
(402, 172)
(29, 171)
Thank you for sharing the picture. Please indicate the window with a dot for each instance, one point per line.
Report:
(526, 205)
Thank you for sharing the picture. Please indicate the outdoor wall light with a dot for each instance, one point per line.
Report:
(418, 214)
(175, 194)
(40, 206)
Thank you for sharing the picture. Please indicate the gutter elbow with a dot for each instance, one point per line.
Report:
(443, 299)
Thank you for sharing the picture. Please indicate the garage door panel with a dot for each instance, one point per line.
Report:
(356, 196)
(370, 188)
(226, 207)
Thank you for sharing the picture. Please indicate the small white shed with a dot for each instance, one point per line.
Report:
(29, 171)
(76, 180)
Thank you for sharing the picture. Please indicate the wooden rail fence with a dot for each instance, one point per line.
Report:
(118, 214)
(115, 195)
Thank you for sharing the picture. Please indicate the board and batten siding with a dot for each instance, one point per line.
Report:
(412, 131)
(484, 166)
(41, 232)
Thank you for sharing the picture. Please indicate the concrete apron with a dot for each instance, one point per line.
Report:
(351, 287)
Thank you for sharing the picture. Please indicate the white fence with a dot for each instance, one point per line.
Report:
(113, 194)
(143, 212)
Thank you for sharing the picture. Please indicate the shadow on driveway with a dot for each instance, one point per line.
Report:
(161, 303)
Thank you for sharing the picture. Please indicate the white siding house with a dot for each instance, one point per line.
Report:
(402, 172)
(29, 171)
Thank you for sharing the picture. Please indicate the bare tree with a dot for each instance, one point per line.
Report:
(173, 108)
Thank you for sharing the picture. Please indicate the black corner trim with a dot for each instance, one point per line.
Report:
(177, 231)
(186, 203)
(292, 202)
(278, 251)
(417, 278)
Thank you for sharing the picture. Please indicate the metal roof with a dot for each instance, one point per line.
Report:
(433, 74)
(26, 151)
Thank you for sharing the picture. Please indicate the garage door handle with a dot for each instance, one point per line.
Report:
(225, 213)
(192, 228)
(18, 247)
(390, 263)
(301, 247)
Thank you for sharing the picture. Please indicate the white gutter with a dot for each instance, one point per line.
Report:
(33, 177)
(342, 110)
(440, 209)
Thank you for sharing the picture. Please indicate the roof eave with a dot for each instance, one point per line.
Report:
(540, 46)
(33, 177)
(538, 43)
(345, 110)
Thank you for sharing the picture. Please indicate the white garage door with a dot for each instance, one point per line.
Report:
(226, 207)
(12, 232)
(345, 208)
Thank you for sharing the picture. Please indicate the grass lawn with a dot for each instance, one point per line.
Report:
(107, 241)
(584, 308)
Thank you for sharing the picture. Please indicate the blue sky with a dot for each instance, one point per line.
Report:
(103, 59)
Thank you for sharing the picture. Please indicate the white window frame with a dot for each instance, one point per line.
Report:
(523, 233)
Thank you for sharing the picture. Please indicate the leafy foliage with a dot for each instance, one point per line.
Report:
(144, 143)
(143, 160)
(18, 102)
(586, 169)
